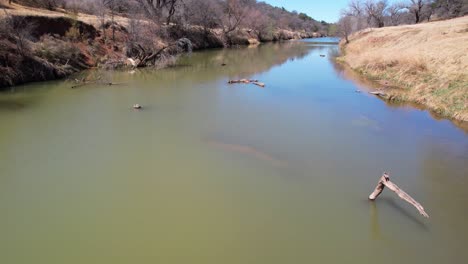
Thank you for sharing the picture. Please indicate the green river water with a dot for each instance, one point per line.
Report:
(210, 172)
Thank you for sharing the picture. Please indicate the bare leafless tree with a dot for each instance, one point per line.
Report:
(345, 27)
(49, 4)
(356, 10)
(154, 9)
(205, 13)
(261, 24)
(376, 11)
(416, 8)
(113, 6)
(234, 12)
(18, 29)
(395, 13)
(100, 10)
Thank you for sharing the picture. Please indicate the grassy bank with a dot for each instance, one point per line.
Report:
(425, 63)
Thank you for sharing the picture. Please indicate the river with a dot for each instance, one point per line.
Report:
(209, 172)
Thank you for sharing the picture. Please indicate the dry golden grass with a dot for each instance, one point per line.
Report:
(428, 62)
(19, 10)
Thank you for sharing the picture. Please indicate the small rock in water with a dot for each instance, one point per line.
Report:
(322, 55)
(137, 106)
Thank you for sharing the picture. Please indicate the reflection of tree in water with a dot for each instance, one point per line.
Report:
(377, 234)
(365, 84)
(239, 62)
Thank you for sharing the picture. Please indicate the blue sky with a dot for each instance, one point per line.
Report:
(328, 10)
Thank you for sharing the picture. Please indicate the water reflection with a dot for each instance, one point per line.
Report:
(226, 172)
(376, 233)
(240, 62)
(368, 85)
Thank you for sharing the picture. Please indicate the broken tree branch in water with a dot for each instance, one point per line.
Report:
(379, 94)
(255, 82)
(385, 182)
(84, 82)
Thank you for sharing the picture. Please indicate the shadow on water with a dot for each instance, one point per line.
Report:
(397, 208)
(17, 100)
(374, 222)
(14, 105)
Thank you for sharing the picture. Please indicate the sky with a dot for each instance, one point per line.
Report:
(328, 10)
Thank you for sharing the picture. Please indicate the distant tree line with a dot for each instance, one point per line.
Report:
(361, 14)
(152, 31)
(227, 15)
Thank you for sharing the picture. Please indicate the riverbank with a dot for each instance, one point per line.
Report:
(425, 63)
(64, 43)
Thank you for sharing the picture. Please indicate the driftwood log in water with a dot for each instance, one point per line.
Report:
(84, 82)
(88, 83)
(256, 82)
(379, 93)
(385, 182)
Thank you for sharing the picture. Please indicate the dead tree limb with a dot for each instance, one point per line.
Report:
(385, 182)
(145, 57)
(379, 93)
(255, 82)
(98, 81)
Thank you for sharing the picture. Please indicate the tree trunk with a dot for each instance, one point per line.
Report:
(385, 182)
(417, 17)
(171, 13)
(113, 26)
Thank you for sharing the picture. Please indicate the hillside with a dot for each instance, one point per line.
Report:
(424, 63)
(38, 44)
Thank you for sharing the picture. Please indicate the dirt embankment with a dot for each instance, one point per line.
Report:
(425, 63)
(65, 43)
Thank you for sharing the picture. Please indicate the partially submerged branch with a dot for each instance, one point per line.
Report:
(84, 82)
(255, 82)
(379, 93)
(385, 182)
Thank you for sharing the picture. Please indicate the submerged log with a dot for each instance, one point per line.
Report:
(246, 81)
(379, 93)
(385, 182)
(93, 82)
(98, 81)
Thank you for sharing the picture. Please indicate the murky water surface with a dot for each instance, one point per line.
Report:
(210, 172)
